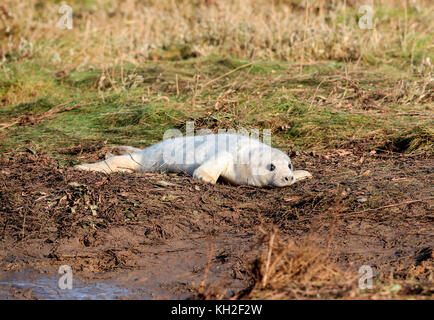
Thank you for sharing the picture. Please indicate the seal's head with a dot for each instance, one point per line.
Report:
(269, 166)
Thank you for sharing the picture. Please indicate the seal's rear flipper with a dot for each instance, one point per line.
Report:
(124, 163)
(302, 175)
(121, 150)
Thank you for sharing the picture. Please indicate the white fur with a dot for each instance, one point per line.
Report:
(236, 159)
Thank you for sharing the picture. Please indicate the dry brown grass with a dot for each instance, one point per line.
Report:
(298, 270)
(107, 32)
(304, 269)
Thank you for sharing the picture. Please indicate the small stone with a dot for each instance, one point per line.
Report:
(168, 197)
(93, 209)
(197, 188)
(76, 185)
(163, 183)
(129, 215)
(171, 197)
(362, 199)
(292, 199)
(396, 287)
(366, 173)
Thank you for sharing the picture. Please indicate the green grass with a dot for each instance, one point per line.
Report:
(135, 105)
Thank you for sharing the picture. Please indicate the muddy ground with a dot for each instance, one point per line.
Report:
(169, 236)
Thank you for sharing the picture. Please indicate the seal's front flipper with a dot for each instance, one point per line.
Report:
(211, 170)
(302, 175)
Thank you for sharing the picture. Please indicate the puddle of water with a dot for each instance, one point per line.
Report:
(46, 287)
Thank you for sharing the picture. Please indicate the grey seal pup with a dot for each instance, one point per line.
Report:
(238, 159)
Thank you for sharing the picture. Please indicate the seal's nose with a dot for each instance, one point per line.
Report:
(289, 179)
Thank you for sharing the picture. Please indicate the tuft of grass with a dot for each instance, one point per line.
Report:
(290, 270)
(417, 139)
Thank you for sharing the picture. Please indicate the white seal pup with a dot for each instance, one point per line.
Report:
(235, 158)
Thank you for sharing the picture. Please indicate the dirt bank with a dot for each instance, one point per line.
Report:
(170, 236)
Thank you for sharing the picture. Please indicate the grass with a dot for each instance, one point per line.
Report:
(139, 69)
(290, 270)
(329, 105)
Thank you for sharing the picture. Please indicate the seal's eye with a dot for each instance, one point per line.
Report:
(290, 166)
(272, 167)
